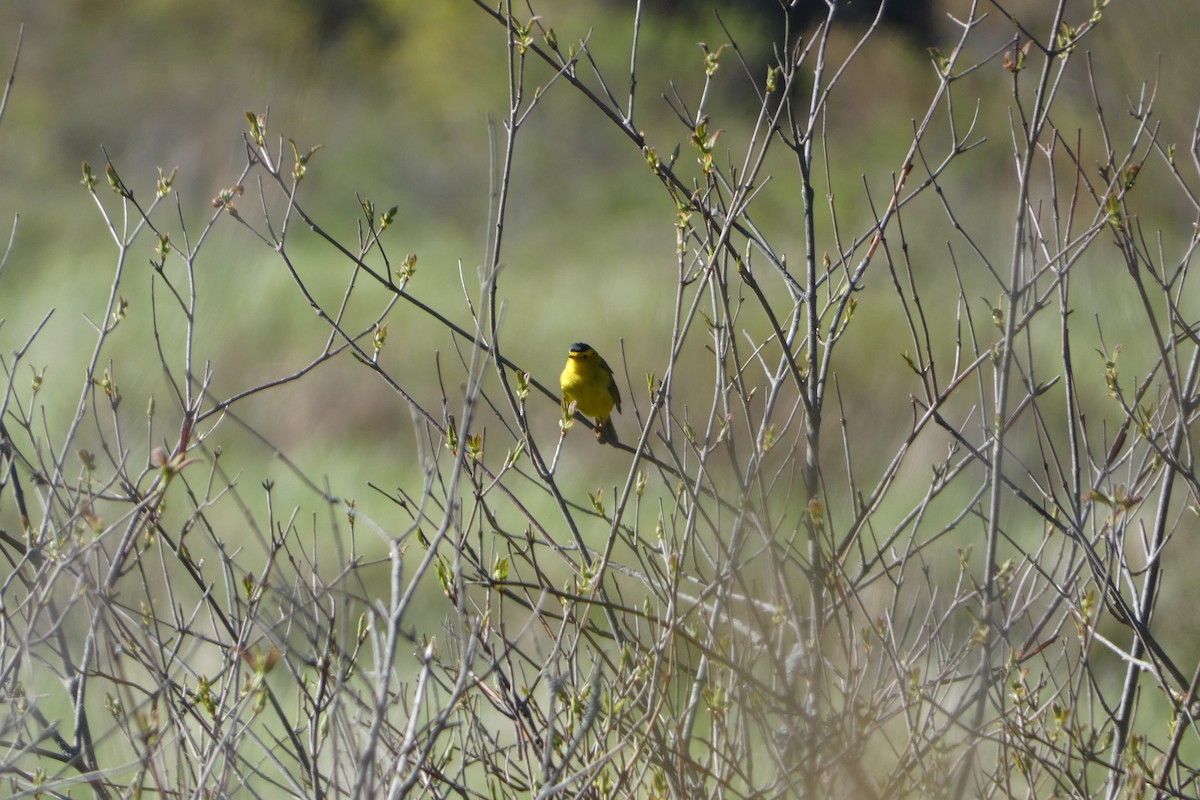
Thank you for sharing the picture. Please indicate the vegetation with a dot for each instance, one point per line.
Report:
(905, 486)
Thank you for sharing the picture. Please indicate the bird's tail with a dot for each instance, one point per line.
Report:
(606, 433)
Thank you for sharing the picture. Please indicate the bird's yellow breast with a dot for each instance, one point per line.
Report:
(587, 384)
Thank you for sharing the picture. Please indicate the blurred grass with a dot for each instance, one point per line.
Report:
(402, 109)
(401, 103)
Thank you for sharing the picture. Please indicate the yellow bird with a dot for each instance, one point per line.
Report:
(588, 381)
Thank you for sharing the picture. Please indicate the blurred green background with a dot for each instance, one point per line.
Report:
(406, 98)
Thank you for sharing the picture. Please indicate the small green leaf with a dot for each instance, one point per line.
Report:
(500, 570)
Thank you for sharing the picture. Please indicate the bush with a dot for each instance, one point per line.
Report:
(866, 534)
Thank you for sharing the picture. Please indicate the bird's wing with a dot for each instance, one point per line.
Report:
(612, 384)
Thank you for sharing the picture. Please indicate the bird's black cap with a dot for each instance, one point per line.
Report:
(580, 347)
